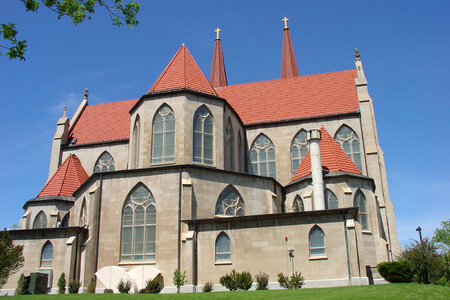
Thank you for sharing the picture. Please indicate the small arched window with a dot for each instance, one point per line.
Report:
(136, 141)
(331, 201)
(230, 203)
(316, 242)
(262, 157)
(138, 226)
(83, 214)
(104, 163)
(163, 135)
(203, 139)
(363, 215)
(229, 146)
(349, 141)
(299, 147)
(65, 220)
(223, 249)
(47, 255)
(298, 206)
(40, 221)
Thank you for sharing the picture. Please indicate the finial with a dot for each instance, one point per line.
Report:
(65, 111)
(285, 19)
(217, 33)
(86, 94)
(356, 54)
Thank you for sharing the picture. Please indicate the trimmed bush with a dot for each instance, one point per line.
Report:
(179, 279)
(208, 287)
(230, 280)
(22, 286)
(295, 282)
(244, 280)
(283, 280)
(62, 284)
(74, 286)
(395, 271)
(124, 287)
(152, 287)
(262, 279)
(92, 285)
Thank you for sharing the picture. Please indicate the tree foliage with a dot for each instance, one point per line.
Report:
(179, 279)
(120, 11)
(442, 236)
(11, 258)
(395, 271)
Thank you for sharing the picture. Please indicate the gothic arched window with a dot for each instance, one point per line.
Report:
(138, 226)
(262, 157)
(223, 249)
(203, 136)
(241, 154)
(229, 146)
(316, 242)
(331, 201)
(349, 141)
(40, 221)
(298, 206)
(136, 141)
(163, 135)
(104, 163)
(65, 220)
(83, 214)
(363, 215)
(230, 203)
(47, 255)
(299, 147)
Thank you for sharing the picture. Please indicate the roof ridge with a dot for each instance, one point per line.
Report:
(325, 133)
(165, 70)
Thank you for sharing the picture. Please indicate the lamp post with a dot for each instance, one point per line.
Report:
(420, 233)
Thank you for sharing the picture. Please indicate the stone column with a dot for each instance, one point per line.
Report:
(316, 169)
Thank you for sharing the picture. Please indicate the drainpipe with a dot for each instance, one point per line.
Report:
(99, 211)
(316, 169)
(346, 248)
(179, 220)
(74, 276)
(195, 256)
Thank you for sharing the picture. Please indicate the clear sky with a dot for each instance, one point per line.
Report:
(404, 48)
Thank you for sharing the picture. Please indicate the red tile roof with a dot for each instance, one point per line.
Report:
(67, 179)
(293, 98)
(182, 72)
(103, 122)
(288, 64)
(334, 159)
(218, 76)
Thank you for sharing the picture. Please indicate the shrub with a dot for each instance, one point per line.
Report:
(124, 287)
(208, 287)
(22, 286)
(74, 286)
(244, 280)
(92, 285)
(262, 279)
(294, 282)
(443, 281)
(62, 284)
(395, 271)
(230, 280)
(152, 286)
(179, 279)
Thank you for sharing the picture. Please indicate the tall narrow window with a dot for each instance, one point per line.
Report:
(223, 249)
(105, 163)
(349, 141)
(262, 157)
(136, 141)
(47, 255)
(331, 201)
(363, 216)
(230, 203)
(139, 226)
(65, 220)
(299, 147)
(229, 146)
(298, 206)
(203, 136)
(316, 242)
(163, 135)
(40, 221)
(83, 214)
(241, 154)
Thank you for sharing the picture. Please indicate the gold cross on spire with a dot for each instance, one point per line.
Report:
(285, 22)
(217, 32)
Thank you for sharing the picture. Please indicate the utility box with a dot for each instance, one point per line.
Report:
(38, 283)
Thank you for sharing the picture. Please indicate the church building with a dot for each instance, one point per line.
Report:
(275, 176)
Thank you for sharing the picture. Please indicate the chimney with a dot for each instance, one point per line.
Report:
(316, 169)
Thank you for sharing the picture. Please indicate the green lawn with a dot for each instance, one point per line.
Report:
(388, 291)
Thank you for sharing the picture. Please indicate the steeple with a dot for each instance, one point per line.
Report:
(218, 75)
(288, 64)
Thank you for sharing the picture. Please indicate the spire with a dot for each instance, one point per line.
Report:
(182, 72)
(218, 75)
(288, 64)
(361, 79)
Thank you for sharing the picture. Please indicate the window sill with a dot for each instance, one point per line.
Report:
(132, 263)
(162, 163)
(318, 257)
(366, 232)
(223, 263)
(204, 164)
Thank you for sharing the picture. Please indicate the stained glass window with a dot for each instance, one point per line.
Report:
(203, 139)
(331, 201)
(229, 146)
(136, 141)
(349, 141)
(47, 255)
(40, 221)
(316, 242)
(104, 163)
(163, 135)
(223, 251)
(299, 148)
(298, 206)
(363, 215)
(230, 203)
(262, 157)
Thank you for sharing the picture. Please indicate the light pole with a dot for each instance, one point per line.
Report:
(420, 233)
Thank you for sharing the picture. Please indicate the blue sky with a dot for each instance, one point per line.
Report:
(404, 47)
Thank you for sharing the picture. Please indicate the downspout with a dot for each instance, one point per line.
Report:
(357, 254)
(346, 248)
(74, 277)
(179, 220)
(389, 232)
(195, 256)
(99, 211)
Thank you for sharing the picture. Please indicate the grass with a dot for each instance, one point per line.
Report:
(388, 291)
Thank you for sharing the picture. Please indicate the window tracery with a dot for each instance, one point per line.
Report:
(350, 143)
(40, 221)
(299, 148)
(363, 215)
(331, 201)
(104, 163)
(223, 249)
(262, 157)
(230, 203)
(203, 136)
(163, 135)
(316, 242)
